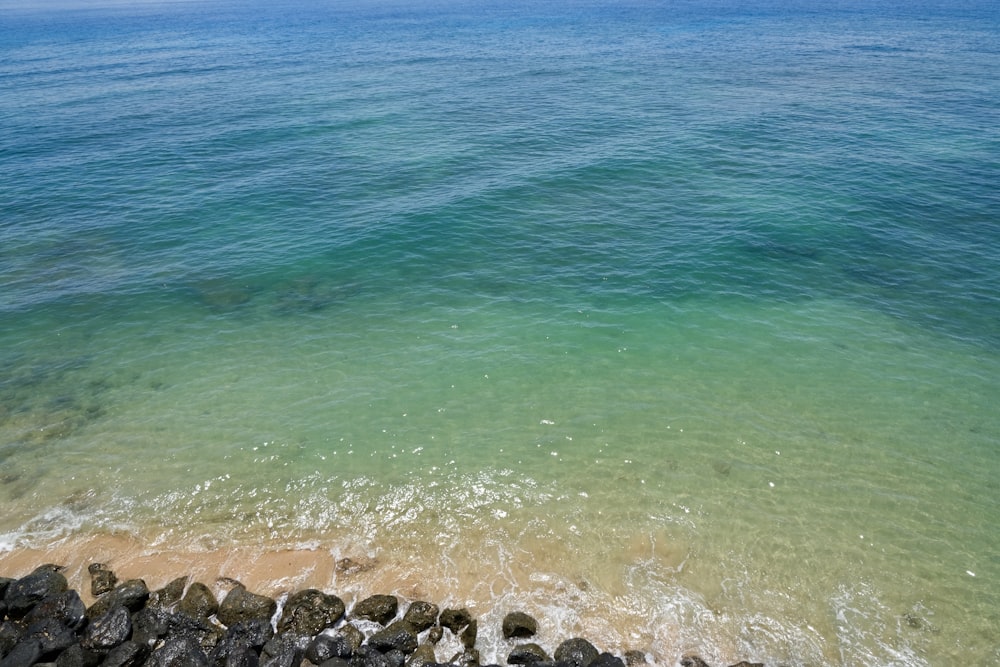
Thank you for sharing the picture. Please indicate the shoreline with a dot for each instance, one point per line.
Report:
(166, 582)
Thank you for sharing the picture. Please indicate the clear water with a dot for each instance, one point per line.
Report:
(677, 323)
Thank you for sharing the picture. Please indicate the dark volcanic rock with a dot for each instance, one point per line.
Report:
(455, 619)
(607, 660)
(367, 656)
(378, 608)
(335, 662)
(354, 637)
(467, 658)
(199, 601)
(77, 656)
(310, 611)
(421, 615)
(282, 651)
(243, 656)
(398, 635)
(108, 630)
(241, 605)
(200, 630)
(170, 594)
(150, 625)
(517, 624)
(4, 583)
(127, 654)
(577, 651)
(10, 635)
(53, 637)
(324, 647)
(468, 636)
(131, 594)
(102, 580)
(67, 608)
(424, 655)
(435, 634)
(27, 652)
(526, 654)
(744, 663)
(178, 652)
(24, 593)
(633, 658)
(241, 637)
(692, 661)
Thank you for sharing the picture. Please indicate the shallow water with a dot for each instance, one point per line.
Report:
(675, 325)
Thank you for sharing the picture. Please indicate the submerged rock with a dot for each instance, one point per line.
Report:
(517, 624)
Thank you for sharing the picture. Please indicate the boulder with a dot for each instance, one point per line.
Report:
(199, 630)
(577, 651)
(149, 625)
(435, 634)
(10, 635)
(309, 612)
(131, 594)
(467, 658)
(526, 654)
(282, 651)
(633, 658)
(607, 660)
(421, 615)
(67, 608)
(52, 635)
(399, 636)
(424, 655)
(378, 608)
(102, 580)
(692, 660)
(354, 637)
(243, 636)
(199, 601)
(108, 631)
(127, 654)
(27, 652)
(335, 662)
(24, 593)
(77, 656)
(178, 652)
(517, 624)
(455, 619)
(240, 605)
(468, 636)
(170, 594)
(744, 663)
(368, 656)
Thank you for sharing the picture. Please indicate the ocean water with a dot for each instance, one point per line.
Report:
(674, 323)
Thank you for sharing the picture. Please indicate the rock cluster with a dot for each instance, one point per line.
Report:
(45, 622)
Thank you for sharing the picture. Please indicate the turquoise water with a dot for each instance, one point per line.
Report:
(676, 322)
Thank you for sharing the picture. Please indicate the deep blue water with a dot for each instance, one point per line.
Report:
(652, 260)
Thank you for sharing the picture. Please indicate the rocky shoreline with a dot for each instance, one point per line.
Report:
(43, 621)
